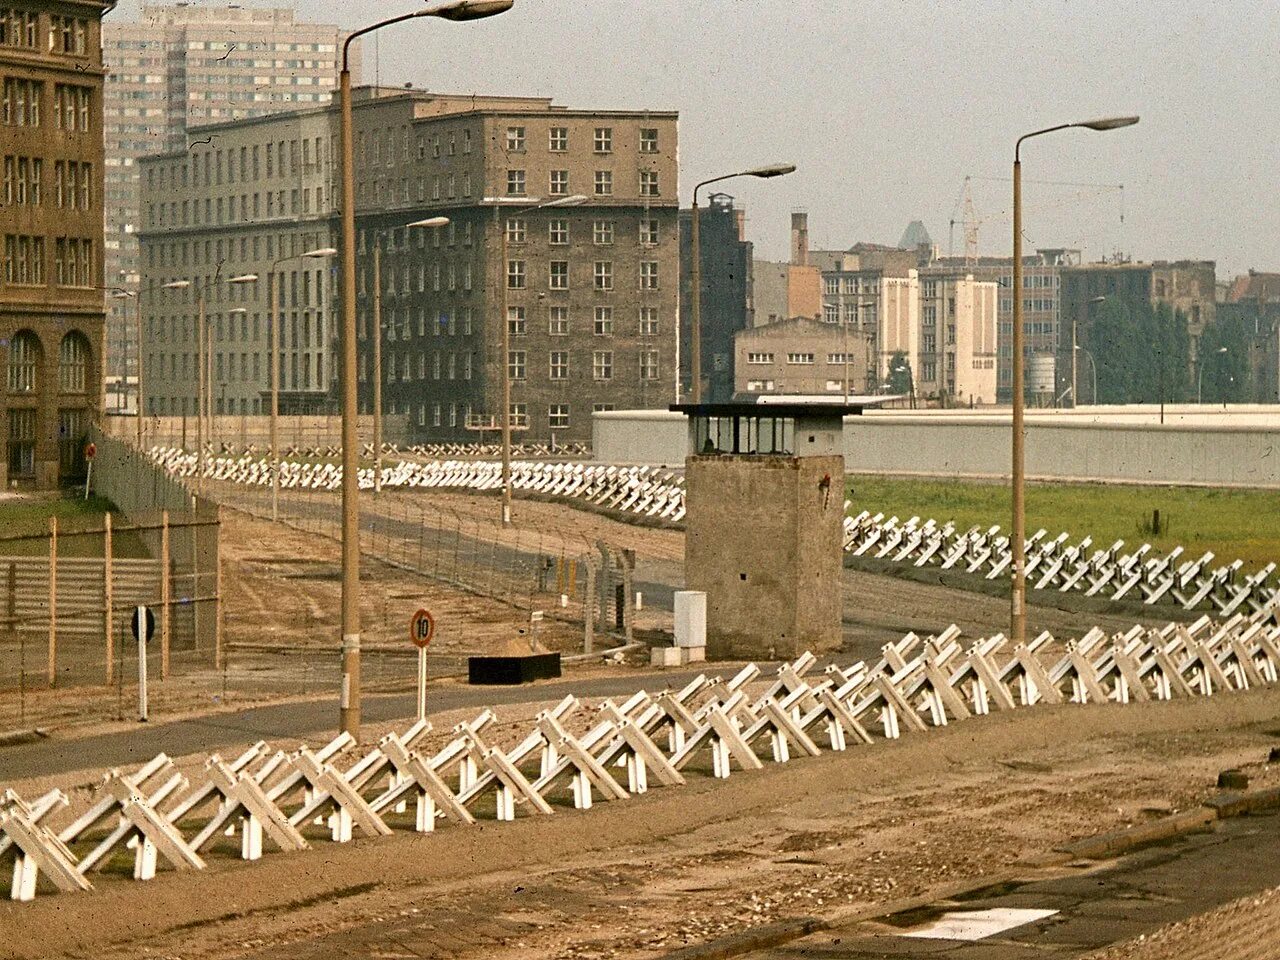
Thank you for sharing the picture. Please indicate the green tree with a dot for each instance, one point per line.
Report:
(1225, 377)
(900, 374)
(1141, 352)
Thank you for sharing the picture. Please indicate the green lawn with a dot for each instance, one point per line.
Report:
(24, 527)
(1234, 524)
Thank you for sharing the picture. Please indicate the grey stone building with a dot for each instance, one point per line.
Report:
(588, 291)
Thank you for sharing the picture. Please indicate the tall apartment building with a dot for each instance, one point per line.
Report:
(180, 66)
(51, 309)
(1189, 286)
(248, 197)
(588, 292)
(726, 306)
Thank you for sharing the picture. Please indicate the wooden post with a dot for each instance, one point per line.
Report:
(53, 600)
(106, 594)
(164, 595)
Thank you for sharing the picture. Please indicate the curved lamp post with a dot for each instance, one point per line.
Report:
(1018, 610)
(695, 271)
(349, 699)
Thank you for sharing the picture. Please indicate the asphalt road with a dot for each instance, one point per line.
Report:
(1087, 910)
(306, 720)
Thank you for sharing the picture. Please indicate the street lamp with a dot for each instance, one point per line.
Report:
(1018, 611)
(573, 200)
(1200, 378)
(1093, 364)
(695, 271)
(204, 352)
(349, 702)
(377, 343)
(1075, 383)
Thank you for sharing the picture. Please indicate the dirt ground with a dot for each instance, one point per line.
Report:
(1248, 929)
(640, 877)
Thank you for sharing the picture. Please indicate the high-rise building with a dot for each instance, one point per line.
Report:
(180, 66)
(51, 306)
(587, 290)
(726, 292)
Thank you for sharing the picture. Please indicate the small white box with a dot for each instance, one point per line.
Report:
(664, 657)
(692, 654)
(691, 618)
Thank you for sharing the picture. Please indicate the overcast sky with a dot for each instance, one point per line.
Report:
(887, 106)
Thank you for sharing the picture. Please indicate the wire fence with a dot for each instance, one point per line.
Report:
(545, 573)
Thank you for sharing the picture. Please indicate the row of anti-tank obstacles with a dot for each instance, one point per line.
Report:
(291, 799)
(643, 491)
(1053, 563)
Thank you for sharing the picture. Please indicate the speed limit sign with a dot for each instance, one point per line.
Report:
(422, 627)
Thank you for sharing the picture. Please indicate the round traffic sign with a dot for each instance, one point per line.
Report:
(422, 627)
(142, 624)
(90, 451)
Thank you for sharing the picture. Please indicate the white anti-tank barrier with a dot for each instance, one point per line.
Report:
(1053, 563)
(571, 754)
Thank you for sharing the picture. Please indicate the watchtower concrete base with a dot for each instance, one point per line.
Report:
(763, 540)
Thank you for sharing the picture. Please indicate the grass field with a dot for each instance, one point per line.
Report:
(24, 527)
(1234, 524)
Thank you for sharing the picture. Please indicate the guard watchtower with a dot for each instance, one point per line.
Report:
(764, 510)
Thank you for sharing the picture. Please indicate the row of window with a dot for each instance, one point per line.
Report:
(799, 358)
(295, 375)
(251, 249)
(24, 362)
(558, 140)
(558, 275)
(235, 208)
(211, 167)
(558, 321)
(602, 231)
(601, 365)
(20, 101)
(21, 28)
(517, 185)
(24, 182)
(73, 424)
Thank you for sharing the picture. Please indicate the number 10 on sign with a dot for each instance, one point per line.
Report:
(422, 627)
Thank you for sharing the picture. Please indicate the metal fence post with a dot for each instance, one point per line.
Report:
(107, 594)
(53, 600)
(217, 589)
(164, 595)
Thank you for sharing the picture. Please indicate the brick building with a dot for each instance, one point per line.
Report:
(51, 306)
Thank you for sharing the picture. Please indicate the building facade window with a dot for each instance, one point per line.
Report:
(558, 232)
(516, 365)
(73, 363)
(516, 228)
(515, 138)
(602, 365)
(24, 360)
(559, 185)
(604, 275)
(558, 365)
(648, 140)
(648, 183)
(604, 183)
(515, 275)
(604, 140)
(800, 358)
(559, 275)
(648, 364)
(648, 321)
(515, 183)
(602, 233)
(558, 139)
(648, 232)
(759, 358)
(558, 321)
(558, 416)
(516, 326)
(604, 322)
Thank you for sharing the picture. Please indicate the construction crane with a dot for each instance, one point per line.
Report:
(971, 221)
